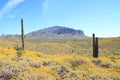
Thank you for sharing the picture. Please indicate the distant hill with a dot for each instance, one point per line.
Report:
(50, 33)
(55, 32)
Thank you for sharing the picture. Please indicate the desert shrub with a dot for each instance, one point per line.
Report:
(105, 64)
(76, 62)
(61, 69)
(36, 75)
(74, 75)
(32, 62)
(23, 65)
(93, 77)
(46, 63)
(19, 50)
(101, 76)
(96, 62)
(11, 69)
(8, 70)
(19, 53)
(5, 74)
(50, 71)
(35, 64)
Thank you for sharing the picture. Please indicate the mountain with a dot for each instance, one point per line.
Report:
(47, 34)
(57, 30)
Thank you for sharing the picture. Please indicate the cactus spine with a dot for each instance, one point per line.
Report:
(22, 33)
(95, 46)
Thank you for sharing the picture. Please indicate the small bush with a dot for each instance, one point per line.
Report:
(105, 64)
(78, 62)
(74, 75)
(33, 63)
(62, 70)
(8, 70)
(96, 62)
(19, 50)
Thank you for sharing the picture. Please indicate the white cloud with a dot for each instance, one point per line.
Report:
(45, 6)
(10, 5)
(53, 5)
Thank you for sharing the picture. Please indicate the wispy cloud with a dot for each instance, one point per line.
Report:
(45, 6)
(10, 5)
(53, 5)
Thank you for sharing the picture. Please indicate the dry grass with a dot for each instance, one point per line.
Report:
(34, 65)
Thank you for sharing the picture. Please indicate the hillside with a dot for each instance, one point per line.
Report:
(60, 60)
(49, 34)
(55, 32)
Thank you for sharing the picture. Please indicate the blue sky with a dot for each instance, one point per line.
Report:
(101, 17)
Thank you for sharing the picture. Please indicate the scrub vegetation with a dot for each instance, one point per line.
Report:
(60, 60)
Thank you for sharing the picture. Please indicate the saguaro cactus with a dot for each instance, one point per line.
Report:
(22, 34)
(95, 46)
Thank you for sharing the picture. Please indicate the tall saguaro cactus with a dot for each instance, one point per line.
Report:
(22, 34)
(95, 46)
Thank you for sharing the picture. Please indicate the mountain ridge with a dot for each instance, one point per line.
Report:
(49, 34)
(57, 30)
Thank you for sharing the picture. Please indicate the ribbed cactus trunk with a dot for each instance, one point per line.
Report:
(22, 34)
(95, 46)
